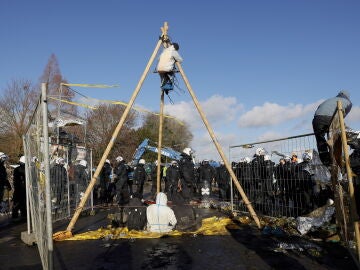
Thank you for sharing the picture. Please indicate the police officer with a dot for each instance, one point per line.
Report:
(19, 197)
(58, 176)
(81, 179)
(139, 178)
(223, 181)
(206, 176)
(186, 166)
(106, 187)
(173, 179)
(121, 181)
(4, 183)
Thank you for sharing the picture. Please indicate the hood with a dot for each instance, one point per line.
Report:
(135, 202)
(161, 198)
(344, 94)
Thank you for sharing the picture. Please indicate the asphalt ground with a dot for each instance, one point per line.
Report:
(244, 248)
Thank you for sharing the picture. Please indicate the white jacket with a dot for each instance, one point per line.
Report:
(160, 217)
(167, 59)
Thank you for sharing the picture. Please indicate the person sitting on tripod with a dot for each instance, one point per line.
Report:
(166, 66)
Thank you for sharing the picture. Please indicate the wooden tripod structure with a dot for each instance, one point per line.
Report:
(163, 40)
(340, 158)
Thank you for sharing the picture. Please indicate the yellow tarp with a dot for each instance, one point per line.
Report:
(210, 226)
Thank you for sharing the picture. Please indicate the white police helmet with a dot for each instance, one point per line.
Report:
(83, 162)
(174, 162)
(60, 161)
(119, 159)
(142, 161)
(3, 156)
(267, 157)
(307, 156)
(205, 161)
(107, 161)
(22, 159)
(188, 151)
(260, 151)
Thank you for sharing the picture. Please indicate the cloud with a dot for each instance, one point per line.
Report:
(354, 115)
(217, 110)
(270, 135)
(205, 148)
(271, 114)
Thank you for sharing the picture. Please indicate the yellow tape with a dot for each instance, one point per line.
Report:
(74, 103)
(91, 85)
(115, 103)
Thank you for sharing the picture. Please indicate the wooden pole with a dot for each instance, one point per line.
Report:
(218, 147)
(112, 140)
(161, 118)
(165, 39)
(353, 213)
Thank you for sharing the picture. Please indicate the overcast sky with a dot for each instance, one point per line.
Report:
(258, 68)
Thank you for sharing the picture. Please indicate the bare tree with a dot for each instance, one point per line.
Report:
(175, 134)
(101, 124)
(54, 79)
(16, 107)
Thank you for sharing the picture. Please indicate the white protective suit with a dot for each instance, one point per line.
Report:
(167, 59)
(160, 217)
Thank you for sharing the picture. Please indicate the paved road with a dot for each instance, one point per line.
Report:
(245, 248)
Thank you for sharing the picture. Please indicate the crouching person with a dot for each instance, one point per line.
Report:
(160, 217)
(185, 214)
(135, 214)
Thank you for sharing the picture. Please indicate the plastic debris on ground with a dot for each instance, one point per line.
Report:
(298, 244)
(315, 219)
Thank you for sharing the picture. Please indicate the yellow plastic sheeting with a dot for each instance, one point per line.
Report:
(210, 226)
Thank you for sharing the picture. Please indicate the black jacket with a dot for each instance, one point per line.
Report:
(187, 169)
(206, 173)
(121, 172)
(222, 175)
(4, 182)
(173, 174)
(139, 174)
(19, 183)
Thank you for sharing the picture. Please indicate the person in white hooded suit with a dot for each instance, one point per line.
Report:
(160, 217)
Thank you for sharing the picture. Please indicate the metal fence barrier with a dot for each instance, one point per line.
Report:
(38, 181)
(53, 173)
(69, 180)
(277, 180)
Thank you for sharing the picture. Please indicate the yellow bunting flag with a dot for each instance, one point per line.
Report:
(90, 85)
